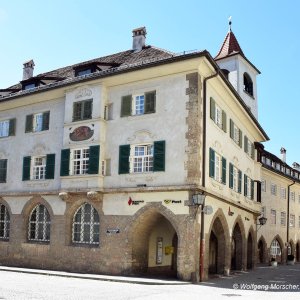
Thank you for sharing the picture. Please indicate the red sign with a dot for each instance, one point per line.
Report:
(81, 133)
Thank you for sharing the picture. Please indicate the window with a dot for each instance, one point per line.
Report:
(264, 185)
(4, 222)
(218, 115)
(248, 187)
(217, 166)
(86, 225)
(80, 161)
(29, 86)
(84, 72)
(292, 220)
(273, 216)
(248, 147)
(38, 167)
(235, 133)
(39, 224)
(82, 110)
(283, 193)
(142, 158)
(293, 196)
(3, 170)
(282, 218)
(275, 248)
(248, 84)
(235, 178)
(37, 122)
(138, 104)
(7, 128)
(273, 189)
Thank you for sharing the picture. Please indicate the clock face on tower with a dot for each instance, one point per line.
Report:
(81, 133)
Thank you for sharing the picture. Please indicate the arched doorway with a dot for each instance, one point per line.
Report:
(298, 252)
(237, 248)
(291, 248)
(217, 246)
(261, 250)
(250, 251)
(276, 250)
(154, 245)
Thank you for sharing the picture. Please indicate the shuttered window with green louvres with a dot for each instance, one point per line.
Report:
(218, 115)
(3, 170)
(37, 122)
(249, 147)
(83, 161)
(50, 166)
(248, 187)
(150, 102)
(217, 166)
(235, 178)
(126, 104)
(26, 168)
(236, 134)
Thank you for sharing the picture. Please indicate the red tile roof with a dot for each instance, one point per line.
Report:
(230, 46)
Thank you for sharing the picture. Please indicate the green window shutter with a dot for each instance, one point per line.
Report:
(252, 151)
(252, 189)
(240, 138)
(46, 118)
(29, 123)
(231, 128)
(3, 170)
(150, 102)
(12, 127)
(231, 175)
(159, 156)
(224, 121)
(245, 185)
(26, 168)
(211, 163)
(65, 162)
(240, 182)
(50, 166)
(223, 170)
(213, 109)
(124, 153)
(87, 109)
(94, 160)
(126, 106)
(246, 144)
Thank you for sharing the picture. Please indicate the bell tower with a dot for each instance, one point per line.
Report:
(240, 72)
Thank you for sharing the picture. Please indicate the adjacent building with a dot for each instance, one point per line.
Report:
(101, 163)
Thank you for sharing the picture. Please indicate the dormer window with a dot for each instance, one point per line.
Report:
(29, 86)
(84, 72)
(248, 84)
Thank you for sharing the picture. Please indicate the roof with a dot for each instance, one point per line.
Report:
(120, 59)
(231, 47)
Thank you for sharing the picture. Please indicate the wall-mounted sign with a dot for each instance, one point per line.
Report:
(112, 230)
(81, 133)
(134, 202)
(168, 201)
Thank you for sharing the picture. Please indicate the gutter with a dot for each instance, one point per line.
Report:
(288, 216)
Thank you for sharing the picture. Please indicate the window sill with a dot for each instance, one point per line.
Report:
(42, 243)
(81, 176)
(37, 132)
(88, 246)
(141, 116)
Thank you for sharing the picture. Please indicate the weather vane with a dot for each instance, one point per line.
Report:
(229, 19)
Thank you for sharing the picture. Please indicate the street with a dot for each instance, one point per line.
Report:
(263, 283)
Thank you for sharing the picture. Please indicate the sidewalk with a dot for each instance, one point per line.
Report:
(134, 280)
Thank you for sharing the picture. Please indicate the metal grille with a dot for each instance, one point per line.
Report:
(4, 222)
(39, 224)
(86, 225)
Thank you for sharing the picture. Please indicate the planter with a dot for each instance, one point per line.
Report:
(290, 262)
(274, 263)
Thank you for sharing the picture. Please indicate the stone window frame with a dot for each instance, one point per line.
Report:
(283, 218)
(273, 217)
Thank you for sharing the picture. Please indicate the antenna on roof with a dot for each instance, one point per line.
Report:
(229, 19)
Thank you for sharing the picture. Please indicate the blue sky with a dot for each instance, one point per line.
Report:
(56, 33)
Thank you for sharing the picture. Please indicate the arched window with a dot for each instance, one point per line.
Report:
(248, 84)
(86, 225)
(225, 72)
(4, 222)
(39, 224)
(275, 248)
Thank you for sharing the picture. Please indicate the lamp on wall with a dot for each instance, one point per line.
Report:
(198, 199)
(261, 221)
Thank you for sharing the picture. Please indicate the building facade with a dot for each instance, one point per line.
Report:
(100, 163)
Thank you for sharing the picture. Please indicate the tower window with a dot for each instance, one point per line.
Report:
(248, 84)
(225, 72)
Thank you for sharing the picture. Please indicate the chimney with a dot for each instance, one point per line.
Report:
(139, 38)
(283, 154)
(28, 69)
(296, 166)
